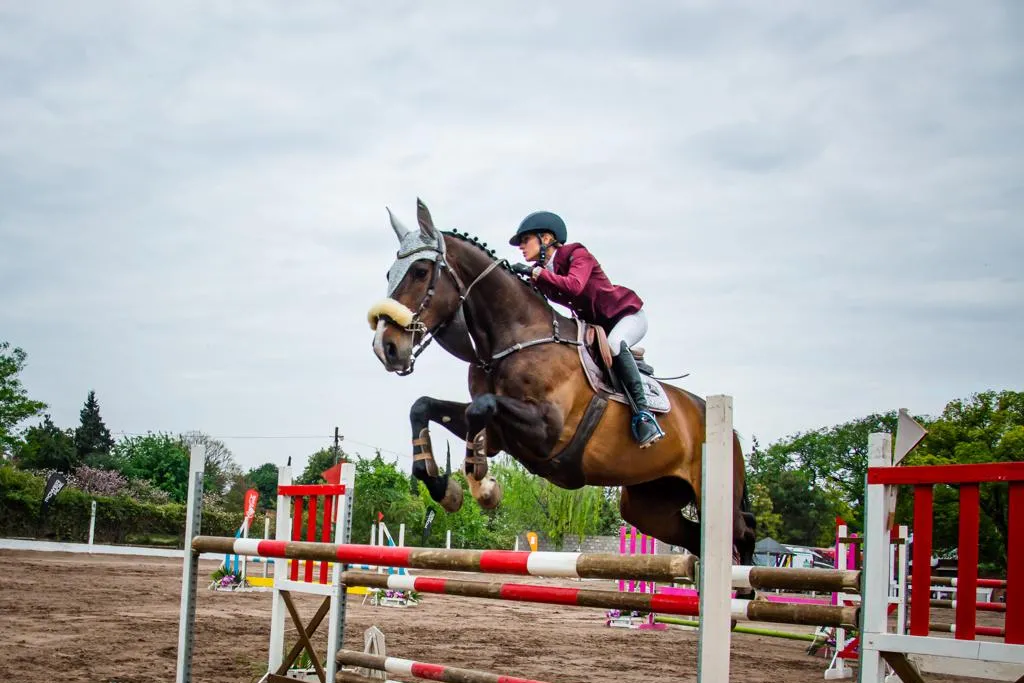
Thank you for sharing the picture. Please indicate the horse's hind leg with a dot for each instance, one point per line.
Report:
(655, 508)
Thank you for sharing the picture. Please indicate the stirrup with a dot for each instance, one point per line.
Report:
(646, 416)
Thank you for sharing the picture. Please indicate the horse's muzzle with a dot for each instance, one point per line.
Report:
(392, 348)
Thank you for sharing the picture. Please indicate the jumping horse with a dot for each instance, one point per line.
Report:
(539, 391)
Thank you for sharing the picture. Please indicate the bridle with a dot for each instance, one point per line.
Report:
(417, 326)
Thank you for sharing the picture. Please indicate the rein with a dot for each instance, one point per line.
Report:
(417, 326)
(555, 338)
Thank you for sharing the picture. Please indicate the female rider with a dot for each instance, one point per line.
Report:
(570, 275)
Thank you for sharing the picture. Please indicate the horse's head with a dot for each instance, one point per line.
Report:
(422, 298)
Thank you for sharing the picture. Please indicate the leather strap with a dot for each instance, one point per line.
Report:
(584, 430)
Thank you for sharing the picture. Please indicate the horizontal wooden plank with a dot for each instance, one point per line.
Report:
(947, 474)
(311, 490)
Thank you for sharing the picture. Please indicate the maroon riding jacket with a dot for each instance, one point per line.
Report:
(579, 283)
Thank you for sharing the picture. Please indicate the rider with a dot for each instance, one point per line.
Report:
(570, 275)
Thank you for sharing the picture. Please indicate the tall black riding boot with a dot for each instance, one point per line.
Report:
(645, 427)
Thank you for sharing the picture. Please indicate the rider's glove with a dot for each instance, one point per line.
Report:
(522, 269)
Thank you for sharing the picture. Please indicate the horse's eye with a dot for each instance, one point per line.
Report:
(419, 272)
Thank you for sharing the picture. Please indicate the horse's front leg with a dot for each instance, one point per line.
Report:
(518, 420)
(452, 416)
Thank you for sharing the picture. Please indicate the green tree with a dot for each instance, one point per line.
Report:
(471, 526)
(15, 405)
(47, 446)
(319, 462)
(521, 506)
(769, 522)
(571, 514)
(221, 468)
(531, 502)
(264, 480)
(382, 488)
(609, 519)
(834, 459)
(161, 459)
(985, 427)
(93, 443)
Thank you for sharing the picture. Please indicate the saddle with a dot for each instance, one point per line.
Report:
(596, 358)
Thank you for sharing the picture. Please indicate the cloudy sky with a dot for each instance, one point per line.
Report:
(819, 203)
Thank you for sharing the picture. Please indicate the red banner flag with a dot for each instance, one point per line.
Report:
(332, 475)
(249, 504)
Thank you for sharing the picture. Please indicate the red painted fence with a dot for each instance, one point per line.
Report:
(969, 479)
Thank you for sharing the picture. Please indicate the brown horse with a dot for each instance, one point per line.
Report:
(531, 396)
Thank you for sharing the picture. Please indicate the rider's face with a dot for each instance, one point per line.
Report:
(530, 247)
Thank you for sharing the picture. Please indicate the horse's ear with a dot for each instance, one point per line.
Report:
(397, 226)
(426, 222)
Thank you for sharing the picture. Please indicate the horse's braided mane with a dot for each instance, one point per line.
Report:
(471, 240)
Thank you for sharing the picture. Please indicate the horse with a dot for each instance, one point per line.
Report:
(532, 395)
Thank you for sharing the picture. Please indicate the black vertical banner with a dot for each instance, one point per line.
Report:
(426, 526)
(54, 485)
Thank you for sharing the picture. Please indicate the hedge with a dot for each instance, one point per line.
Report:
(119, 519)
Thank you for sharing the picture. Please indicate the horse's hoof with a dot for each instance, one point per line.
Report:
(452, 500)
(490, 494)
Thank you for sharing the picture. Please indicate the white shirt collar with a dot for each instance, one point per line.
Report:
(550, 263)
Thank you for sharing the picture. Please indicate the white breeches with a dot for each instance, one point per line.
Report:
(630, 329)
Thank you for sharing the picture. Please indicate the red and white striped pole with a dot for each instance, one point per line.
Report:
(431, 672)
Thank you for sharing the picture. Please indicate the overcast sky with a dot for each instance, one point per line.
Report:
(819, 203)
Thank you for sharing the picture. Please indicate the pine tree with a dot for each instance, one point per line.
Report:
(92, 438)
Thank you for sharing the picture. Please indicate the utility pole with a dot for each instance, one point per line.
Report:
(337, 449)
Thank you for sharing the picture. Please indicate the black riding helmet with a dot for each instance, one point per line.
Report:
(541, 221)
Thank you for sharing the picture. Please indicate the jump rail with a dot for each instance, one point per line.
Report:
(682, 605)
(542, 564)
(715, 574)
(432, 672)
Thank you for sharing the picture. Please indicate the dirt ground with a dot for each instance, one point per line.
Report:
(112, 619)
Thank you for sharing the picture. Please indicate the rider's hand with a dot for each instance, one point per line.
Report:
(522, 269)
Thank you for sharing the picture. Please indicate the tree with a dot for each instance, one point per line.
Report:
(521, 507)
(47, 446)
(769, 522)
(570, 513)
(815, 476)
(381, 488)
(160, 459)
(264, 480)
(471, 526)
(319, 462)
(221, 468)
(609, 518)
(530, 502)
(986, 427)
(15, 405)
(93, 442)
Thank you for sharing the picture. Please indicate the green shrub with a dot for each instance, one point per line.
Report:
(119, 519)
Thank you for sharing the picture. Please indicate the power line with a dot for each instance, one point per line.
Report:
(285, 437)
